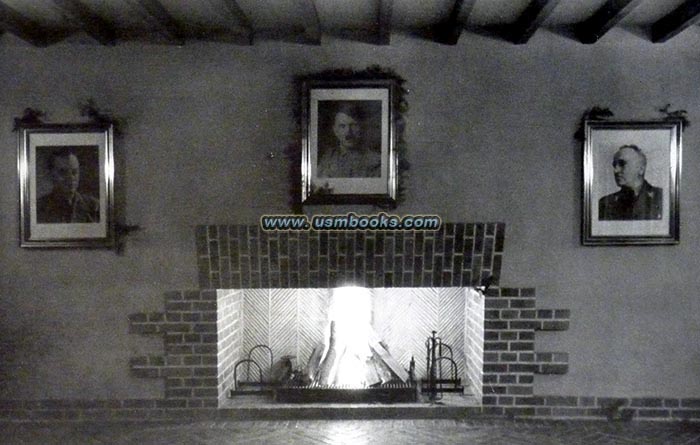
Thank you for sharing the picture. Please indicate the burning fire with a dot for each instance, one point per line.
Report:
(347, 350)
(352, 356)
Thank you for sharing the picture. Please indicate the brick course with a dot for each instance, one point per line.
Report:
(238, 256)
(459, 254)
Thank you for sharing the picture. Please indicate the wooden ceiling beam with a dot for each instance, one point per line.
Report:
(155, 12)
(306, 29)
(530, 20)
(97, 27)
(604, 19)
(28, 30)
(312, 29)
(385, 9)
(676, 21)
(449, 30)
(241, 18)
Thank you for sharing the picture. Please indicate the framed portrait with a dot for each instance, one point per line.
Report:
(349, 141)
(66, 185)
(631, 182)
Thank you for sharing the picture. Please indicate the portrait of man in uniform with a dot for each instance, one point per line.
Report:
(637, 199)
(66, 174)
(350, 144)
(349, 137)
(631, 182)
(67, 201)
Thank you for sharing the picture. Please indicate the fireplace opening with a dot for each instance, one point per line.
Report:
(350, 345)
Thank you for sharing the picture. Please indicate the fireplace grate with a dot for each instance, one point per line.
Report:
(385, 393)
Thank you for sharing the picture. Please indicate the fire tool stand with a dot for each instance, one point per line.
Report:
(248, 386)
(436, 384)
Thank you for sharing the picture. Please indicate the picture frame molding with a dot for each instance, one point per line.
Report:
(310, 193)
(675, 126)
(105, 132)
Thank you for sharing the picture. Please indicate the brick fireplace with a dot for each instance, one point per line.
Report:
(457, 256)
(419, 279)
(203, 330)
(242, 267)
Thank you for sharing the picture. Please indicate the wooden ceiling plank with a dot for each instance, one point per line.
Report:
(530, 20)
(26, 29)
(241, 19)
(385, 9)
(449, 30)
(676, 21)
(97, 27)
(160, 17)
(604, 19)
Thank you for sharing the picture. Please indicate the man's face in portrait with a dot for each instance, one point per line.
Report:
(65, 174)
(629, 167)
(347, 130)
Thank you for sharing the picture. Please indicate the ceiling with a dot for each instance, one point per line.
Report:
(245, 22)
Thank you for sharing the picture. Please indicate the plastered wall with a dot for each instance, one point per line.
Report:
(489, 136)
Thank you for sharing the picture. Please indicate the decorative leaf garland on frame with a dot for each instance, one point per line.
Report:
(293, 150)
(681, 115)
(97, 116)
(601, 113)
(34, 116)
(595, 113)
(30, 116)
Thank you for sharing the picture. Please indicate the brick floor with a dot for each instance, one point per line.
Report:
(483, 431)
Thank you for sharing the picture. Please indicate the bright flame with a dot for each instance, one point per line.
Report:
(351, 310)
